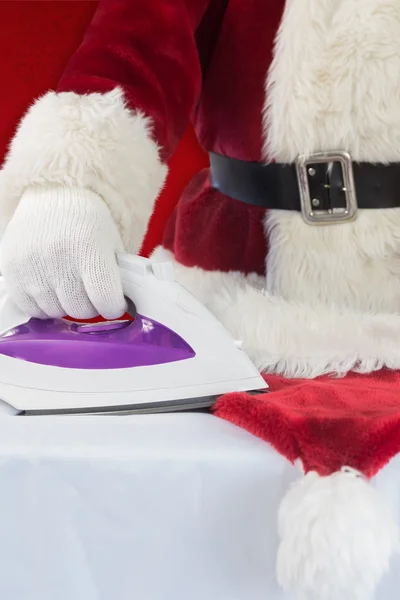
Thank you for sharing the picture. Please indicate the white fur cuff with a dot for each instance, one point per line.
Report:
(92, 141)
(293, 339)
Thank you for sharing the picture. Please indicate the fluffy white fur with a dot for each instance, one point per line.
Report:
(335, 80)
(337, 538)
(92, 141)
(335, 84)
(291, 338)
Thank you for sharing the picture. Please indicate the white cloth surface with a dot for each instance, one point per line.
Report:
(157, 507)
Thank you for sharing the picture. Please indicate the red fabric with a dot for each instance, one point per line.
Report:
(328, 423)
(186, 162)
(229, 115)
(209, 230)
(37, 38)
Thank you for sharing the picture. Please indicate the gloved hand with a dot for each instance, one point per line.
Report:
(58, 255)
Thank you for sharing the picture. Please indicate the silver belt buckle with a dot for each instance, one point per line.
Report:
(309, 206)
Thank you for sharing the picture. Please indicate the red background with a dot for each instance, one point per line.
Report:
(37, 37)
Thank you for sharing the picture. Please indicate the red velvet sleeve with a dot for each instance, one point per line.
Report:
(148, 48)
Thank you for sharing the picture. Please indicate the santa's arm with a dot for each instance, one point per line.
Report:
(119, 111)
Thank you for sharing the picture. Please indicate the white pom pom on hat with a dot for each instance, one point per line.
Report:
(337, 537)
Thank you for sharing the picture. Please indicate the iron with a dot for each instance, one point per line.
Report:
(174, 355)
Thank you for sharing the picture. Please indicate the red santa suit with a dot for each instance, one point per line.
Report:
(263, 81)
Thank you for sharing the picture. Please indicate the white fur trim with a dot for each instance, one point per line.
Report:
(334, 84)
(337, 538)
(353, 266)
(92, 141)
(291, 338)
(335, 79)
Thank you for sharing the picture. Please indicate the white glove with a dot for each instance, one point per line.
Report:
(58, 255)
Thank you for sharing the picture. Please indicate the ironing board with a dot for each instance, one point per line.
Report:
(157, 507)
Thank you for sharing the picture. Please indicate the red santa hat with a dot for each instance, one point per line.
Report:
(337, 531)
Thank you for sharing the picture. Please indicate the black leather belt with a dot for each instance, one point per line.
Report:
(326, 188)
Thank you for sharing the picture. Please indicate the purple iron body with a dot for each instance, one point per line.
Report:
(112, 345)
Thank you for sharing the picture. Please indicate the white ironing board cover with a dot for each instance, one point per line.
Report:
(157, 507)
